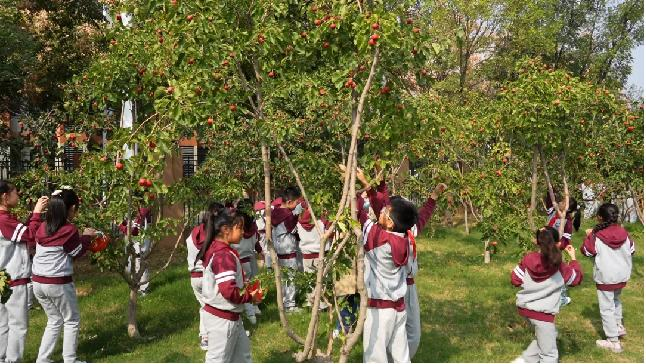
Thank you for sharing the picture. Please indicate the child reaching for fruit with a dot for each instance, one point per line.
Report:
(222, 283)
(542, 275)
(15, 241)
(379, 199)
(58, 243)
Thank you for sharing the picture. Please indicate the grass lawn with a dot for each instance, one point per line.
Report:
(467, 308)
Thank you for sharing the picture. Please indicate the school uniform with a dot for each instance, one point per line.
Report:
(54, 288)
(612, 250)
(553, 220)
(15, 241)
(283, 221)
(247, 249)
(386, 268)
(141, 247)
(539, 301)
(262, 238)
(223, 278)
(194, 243)
(310, 244)
(379, 200)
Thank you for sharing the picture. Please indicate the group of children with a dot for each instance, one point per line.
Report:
(222, 253)
(543, 277)
(221, 257)
(56, 242)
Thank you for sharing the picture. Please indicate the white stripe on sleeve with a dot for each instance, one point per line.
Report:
(22, 231)
(572, 277)
(225, 273)
(224, 279)
(76, 250)
(586, 252)
(15, 232)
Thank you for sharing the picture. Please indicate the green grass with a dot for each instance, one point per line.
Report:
(467, 308)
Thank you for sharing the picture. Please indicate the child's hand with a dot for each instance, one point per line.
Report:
(439, 189)
(588, 232)
(362, 178)
(570, 250)
(41, 204)
(89, 232)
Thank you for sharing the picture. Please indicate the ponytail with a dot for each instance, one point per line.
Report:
(546, 238)
(221, 217)
(213, 208)
(609, 214)
(58, 209)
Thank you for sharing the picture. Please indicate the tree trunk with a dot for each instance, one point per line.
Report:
(532, 204)
(466, 217)
(487, 254)
(567, 196)
(133, 331)
(272, 251)
(636, 204)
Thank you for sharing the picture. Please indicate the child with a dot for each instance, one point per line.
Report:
(572, 222)
(15, 241)
(247, 248)
(386, 248)
(142, 248)
(194, 243)
(259, 208)
(58, 242)
(222, 281)
(283, 221)
(381, 199)
(310, 244)
(541, 276)
(612, 250)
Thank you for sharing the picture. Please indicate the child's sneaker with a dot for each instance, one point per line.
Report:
(622, 331)
(565, 301)
(519, 360)
(204, 343)
(614, 346)
(293, 309)
(257, 311)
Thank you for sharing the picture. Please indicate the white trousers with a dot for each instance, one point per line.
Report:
(543, 348)
(384, 336)
(14, 320)
(61, 307)
(196, 283)
(289, 288)
(611, 311)
(413, 322)
(228, 341)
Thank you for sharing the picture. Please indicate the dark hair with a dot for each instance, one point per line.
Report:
(573, 208)
(245, 208)
(609, 213)
(403, 213)
(547, 238)
(6, 186)
(222, 217)
(291, 193)
(58, 209)
(213, 207)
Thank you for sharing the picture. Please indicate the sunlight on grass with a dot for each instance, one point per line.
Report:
(467, 308)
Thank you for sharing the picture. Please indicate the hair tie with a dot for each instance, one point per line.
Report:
(57, 192)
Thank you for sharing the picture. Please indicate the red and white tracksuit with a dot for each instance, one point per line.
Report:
(539, 301)
(194, 243)
(15, 241)
(53, 287)
(222, 281)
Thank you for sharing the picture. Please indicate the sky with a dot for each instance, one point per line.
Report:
(636, 78)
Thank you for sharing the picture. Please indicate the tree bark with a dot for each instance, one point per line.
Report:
(133, 331)
(532, 204)
(636, 204)
(272, 251)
